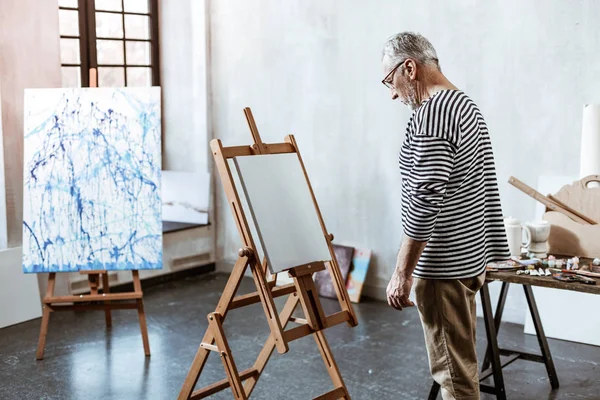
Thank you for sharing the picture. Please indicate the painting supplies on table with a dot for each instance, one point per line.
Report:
(571, 277)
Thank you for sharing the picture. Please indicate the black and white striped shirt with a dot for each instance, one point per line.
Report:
(450, 192)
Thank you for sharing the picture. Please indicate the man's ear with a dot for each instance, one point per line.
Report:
(410, 66)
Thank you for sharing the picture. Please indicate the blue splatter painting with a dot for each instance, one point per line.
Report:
(92, 180)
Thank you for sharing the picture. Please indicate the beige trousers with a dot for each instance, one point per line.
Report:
(448, 315)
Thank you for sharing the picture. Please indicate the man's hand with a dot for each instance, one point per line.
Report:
(398, 291)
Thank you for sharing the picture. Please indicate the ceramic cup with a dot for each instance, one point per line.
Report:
(514, 234)
(540, 230)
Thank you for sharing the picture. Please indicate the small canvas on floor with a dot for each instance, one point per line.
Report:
(323, 282)
(358, 274)
(92, 163)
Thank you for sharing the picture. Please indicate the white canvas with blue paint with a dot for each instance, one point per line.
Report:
(92, 174)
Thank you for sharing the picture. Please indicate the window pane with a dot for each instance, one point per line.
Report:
(110, 51)
(138, 53)
(71, 76)
(108, 5)
(137, 27)
(67, 3)
(111, 77)
(109, 25)
(68, 22)
(139, 76)
(139, 6)
(69, 51)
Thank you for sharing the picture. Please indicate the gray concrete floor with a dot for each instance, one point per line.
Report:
(383, 358)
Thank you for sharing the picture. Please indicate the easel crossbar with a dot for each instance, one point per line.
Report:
(85, 307)
(93, 297)
(305, 330)
(222, 384)
(252, 298)
(273, 148)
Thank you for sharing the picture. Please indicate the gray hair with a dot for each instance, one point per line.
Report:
(411, 45)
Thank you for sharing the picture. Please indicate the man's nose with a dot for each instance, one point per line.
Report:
(394, 94)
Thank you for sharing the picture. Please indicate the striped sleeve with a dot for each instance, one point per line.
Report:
(432, 163)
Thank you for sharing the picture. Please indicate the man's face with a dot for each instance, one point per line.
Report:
(399, 82)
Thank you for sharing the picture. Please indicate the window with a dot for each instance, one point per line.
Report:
(118, 37)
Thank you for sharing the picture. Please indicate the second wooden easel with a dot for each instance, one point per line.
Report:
(129, 300)
(302, 292)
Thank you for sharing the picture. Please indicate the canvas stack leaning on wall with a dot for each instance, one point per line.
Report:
(92, 177)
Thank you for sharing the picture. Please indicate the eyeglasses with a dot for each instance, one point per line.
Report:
(387, 81)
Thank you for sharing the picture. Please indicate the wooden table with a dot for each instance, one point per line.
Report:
(492, 364)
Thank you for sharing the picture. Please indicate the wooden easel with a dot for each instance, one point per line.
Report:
(130, 300)
(51, 303)
(302, 291)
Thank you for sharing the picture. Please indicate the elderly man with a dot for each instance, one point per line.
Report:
(451, 213)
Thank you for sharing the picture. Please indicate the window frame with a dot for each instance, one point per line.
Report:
(88, 50)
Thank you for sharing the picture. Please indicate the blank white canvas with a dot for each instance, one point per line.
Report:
(283, 210)
(185, 197)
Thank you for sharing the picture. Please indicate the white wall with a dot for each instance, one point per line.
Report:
(311, 68)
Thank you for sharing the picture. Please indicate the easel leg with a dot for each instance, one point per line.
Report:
(541, 336)
(267, 350)
(490, 330)
(39, 355)
(233, 283)
(497, 321)
(106, 290)
(330, 364)
(137, 286)
(215, 323)
(269, 306)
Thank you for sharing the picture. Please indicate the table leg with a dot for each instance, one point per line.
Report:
(492, 339)
(497, 321)
(541, 336)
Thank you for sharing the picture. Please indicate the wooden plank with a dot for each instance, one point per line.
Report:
(566, 207)
(92, 297)
(528, 190)
(254, 297)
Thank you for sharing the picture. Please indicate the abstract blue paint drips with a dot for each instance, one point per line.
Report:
(92, 180)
